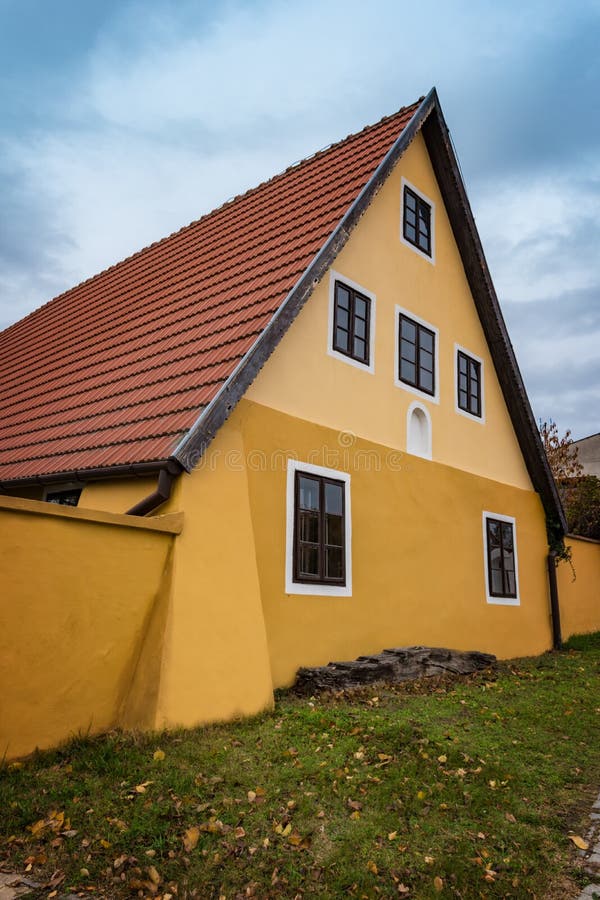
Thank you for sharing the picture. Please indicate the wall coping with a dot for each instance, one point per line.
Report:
(580, 537)
(168, 524)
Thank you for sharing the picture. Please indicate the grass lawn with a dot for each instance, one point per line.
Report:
(463, 788)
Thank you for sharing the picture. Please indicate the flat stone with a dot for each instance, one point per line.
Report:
(11, 886)
(592, 890)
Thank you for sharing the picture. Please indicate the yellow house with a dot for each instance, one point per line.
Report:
(317, 377)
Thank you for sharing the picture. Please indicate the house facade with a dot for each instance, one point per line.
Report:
(318, 377)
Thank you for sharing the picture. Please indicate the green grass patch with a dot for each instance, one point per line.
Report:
(444, 788)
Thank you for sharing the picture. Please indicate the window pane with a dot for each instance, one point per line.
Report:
(342, 318)
(426, 380)
(511, 584)
(408, 371)
(360, 328)
(342, 297)
(308, 527)
(408, 351)
(410, 233)
(309, 560)
(408, 330)
(334, 498)
(507, 536)
(462, 399)
(411, 217)
(426, 360)
(473, 405)
(360, 308)
(462, 364)
(334, 531)
(474, 370)
(360, 348)
(424, 242)
(497, 586)
(341, 339)
(462, 383)
(334, 558)
(309, 493)
(410, 201)
(426, 340)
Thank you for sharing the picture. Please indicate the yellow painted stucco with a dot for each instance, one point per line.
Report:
(78, 595)
(417, 550)
(302, 379)
(579, 588)
(117, 495)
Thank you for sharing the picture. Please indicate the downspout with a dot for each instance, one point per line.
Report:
(554, 604)
(166, 479)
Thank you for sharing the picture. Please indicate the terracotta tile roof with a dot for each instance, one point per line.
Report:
(116, 370)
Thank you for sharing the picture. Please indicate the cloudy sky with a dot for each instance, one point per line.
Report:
(122, 120)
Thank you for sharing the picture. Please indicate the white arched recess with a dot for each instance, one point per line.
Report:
(418, 430)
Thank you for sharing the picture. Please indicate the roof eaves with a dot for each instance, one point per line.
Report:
(194, 444)
(458, 208)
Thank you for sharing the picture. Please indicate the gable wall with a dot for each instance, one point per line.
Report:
(303, 380)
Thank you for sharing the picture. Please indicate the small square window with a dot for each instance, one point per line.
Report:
(501, 559)
(351, 323)
(64, 498)
(468, 384)
(416, 355)
(417, 221)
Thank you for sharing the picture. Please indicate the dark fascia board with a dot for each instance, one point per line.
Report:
(458, 208)
(194, 444)
(129, 470)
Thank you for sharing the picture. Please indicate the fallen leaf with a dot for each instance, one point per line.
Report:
(579, 842)
(509, 817)
(159, 755)
(392, 835)
(372, 867)
(190, 838)
(141, 788)
(443, 758)
(154, 876)
(438, 884)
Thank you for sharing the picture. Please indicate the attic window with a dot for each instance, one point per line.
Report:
(468, 384)
(417, 353)
(351, 322)
(417, 221)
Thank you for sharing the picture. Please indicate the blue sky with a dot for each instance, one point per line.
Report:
(121, 121)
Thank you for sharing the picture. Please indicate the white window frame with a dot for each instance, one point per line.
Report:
(463, 412)
(336, 276)
(423, 395)
(416, 404)
(431, 204)
(500, 601)
(316, 590)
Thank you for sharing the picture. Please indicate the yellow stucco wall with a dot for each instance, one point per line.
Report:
(303, 380)
(580, 598)
(79, 595)
(117, 495)
(417, 549)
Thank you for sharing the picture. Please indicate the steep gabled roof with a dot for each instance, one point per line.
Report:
(118, 369)
(143, 363)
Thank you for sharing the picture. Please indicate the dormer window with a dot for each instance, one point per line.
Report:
(417, 221)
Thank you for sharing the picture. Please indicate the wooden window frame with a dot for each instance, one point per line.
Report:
(321, 577)
(470, 361)
(354, 295)
(333, 347)
(311, 586)
(421, 202)
(419, 327)
(506, 597)
(464, 351)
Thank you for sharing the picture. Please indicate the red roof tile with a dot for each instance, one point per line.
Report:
(116, 370)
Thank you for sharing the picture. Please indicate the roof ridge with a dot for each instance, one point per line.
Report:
(227, 203)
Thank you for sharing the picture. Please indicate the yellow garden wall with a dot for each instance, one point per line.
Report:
(580, 599)
(81, 594)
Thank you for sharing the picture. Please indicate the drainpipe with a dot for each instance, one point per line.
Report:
(166, 479)
(554, 604)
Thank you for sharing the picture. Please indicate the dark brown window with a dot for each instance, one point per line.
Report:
(469, 384)
(351, 323)
(417, 221)
(502, 577)
(417, 355)
(319, 530)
